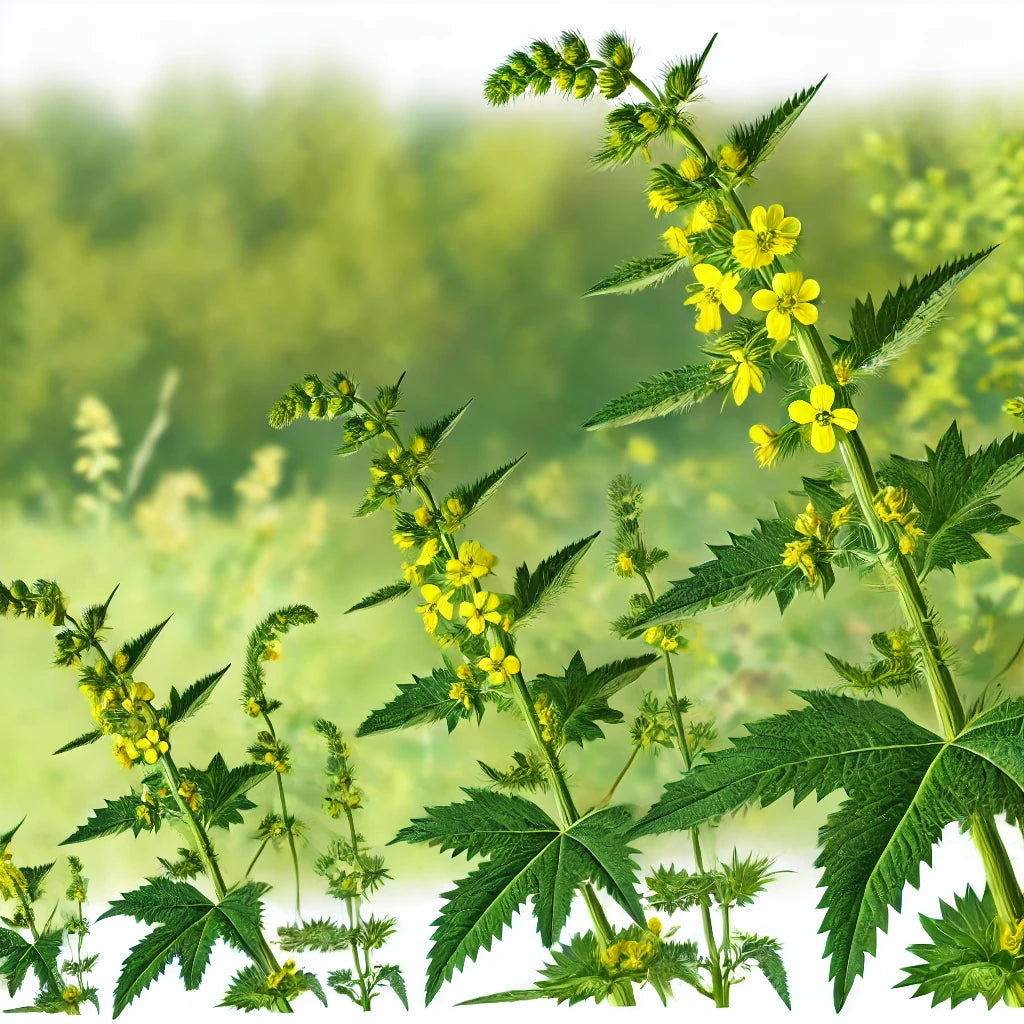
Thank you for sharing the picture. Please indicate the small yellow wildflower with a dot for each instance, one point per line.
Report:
(661, 202)
(125, 751)
(420, 446)
(811, 524)
(771, 233)
(653, 635)
(465, 672)
(610, 954)
(1010, 938)
(459, 692)
(843, 369)
(745, 375)
(545, 716)
(423, 516)
(189, 792)
(137, 693)
(790, 297)
(253, 708)
(892, 504)
(377, 473)
(72, 995)
(691, 168)
(152, 745)
(705, 214)
(669, 642)
(719, 290)
(766, 441)
(635, 955)
(404, 541)
(798, 553)
(733, 158)
(473, 563)
(649, 122)
(453, 508)
(142, 813)
(120, 661)
(429, 552)
(287, 970)
(499, 666)
(677, 240)
(842, 516)
(412, 573)
(437, 604)
(624, 564)
(822, 417)
(654, 925)
(481, 610)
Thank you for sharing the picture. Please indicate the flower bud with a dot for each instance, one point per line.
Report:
(574, 49)
(612, 82)
(584, 83)
(546, 58)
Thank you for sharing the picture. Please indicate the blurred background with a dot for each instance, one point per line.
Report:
(200, 203)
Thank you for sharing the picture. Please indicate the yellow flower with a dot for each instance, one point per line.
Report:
(189, 792)
(892, 504)
(822, 417)
(411, 572)
(137, 692)
(719, 290)
(771, 234)
(287, 969)
(420, 446)
(733, 158)
(253, 708)
(125, 751)
(691, 168)
(459, 692)
(403, 540)
(610, 955)
(797, 553)
(429, 552)
(152, 746)
(423, 516)
(649, 122)
(1010, 938)
(653, 635)
(745, 375)
(654, 925)
(765, 439)
(705, 214)
(465, 672)
(437, 603)
(843, 369)
(481, 610)
(473, 563)
(624, 564)
(499, 666)
(790, 296)
(453, 508)
(661, 202)
(669, 643)
(72, 995)
(676, 239)
(811, 524)
(142, 813)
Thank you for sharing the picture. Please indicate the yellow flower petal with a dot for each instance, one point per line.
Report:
(822, 397)
(809, 291)
(430, 593)
(764, 300)
(758, 219)
(823, 437)
(756, 378)
(774, 217)
(759, 433)
(779, 325)
(731, 298)
(741, 385)
(708, 275)
(805, 313)
(789, 226)
(847, 419)
(710, 318)
(799, 412)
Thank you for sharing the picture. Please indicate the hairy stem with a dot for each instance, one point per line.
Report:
(355, 917)
(288, 824)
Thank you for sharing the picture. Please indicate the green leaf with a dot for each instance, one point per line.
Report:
(222, 790)
(580, 698)
(188, 926)
(472, 496)
(34, 878)
(759, 138)
(637, 274)
(956, 494)
(534, 590)
(879, 338)
(320, 935)
(664, 393)
(136, 650)
(683, 77)
(183, 705)
(875, 843)
(81, 741)
(434, 433)
(767, 954)
(747, 569)
(964, 958)
(421, 702)
(381, 596)
(528, 855)
(248, 991)
(115, 817)
(391, 974)
(18, 957)
(262, 640)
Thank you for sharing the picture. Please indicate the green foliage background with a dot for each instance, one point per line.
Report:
(242, 241)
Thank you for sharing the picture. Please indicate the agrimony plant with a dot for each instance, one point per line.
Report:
(891, 520)
(528, 851)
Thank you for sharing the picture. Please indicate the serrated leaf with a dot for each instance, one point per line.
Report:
(664, 393)
(580, 698)
(392, 975)
(115, 817)
(423, 701)
(18, 957)
(473, 496)
(136, 650)
(874, 844)
(956, 494)
(747, 569)
(222, 790)
(767, 954)
(533, 590)
(34, 878)
(80, 741)
(183, 705)
(964, 958)
(637, 274)
(879, 338)
(528, 855)
(188, 926)
(683, 77)
(434, 433)
(248, 991)
(381, 596)
(320, 935)
(759, 138)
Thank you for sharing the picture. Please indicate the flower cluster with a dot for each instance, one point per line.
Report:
(818, 538)
(892, 505)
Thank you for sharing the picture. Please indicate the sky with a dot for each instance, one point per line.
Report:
(439, 51)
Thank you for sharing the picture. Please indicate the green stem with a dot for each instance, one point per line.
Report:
(719, 989)
(355, 916)
(622, 995)
(609, 796)
(726, 948)
(288, 824)
(30, 917)
(256, 856)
